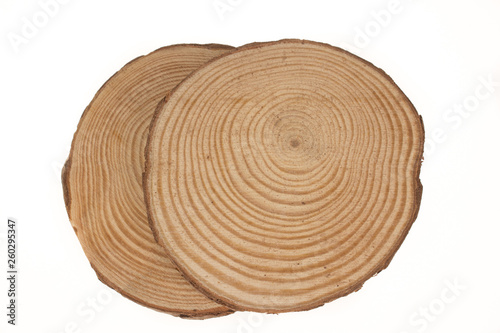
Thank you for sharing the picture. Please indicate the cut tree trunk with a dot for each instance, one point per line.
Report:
(102, 182)
(283, 175)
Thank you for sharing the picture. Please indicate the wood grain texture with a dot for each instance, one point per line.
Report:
(102, 182)
(283, 175)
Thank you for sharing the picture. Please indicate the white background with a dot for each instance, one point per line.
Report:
(438, 52)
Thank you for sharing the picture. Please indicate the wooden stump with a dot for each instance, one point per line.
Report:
(102, 182)
(283, 175)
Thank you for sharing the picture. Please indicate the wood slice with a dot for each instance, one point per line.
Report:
(283, 175)
(102, 182)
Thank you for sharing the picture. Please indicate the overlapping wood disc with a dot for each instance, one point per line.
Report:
(102, 182)
(283, 175)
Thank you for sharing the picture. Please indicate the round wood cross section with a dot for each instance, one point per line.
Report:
(283, 175)
(102, 182)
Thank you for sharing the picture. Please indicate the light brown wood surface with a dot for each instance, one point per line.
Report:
(283, 175)
(102, 182)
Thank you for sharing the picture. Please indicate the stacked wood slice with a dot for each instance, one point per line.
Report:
(275, 177)
(102, 182)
